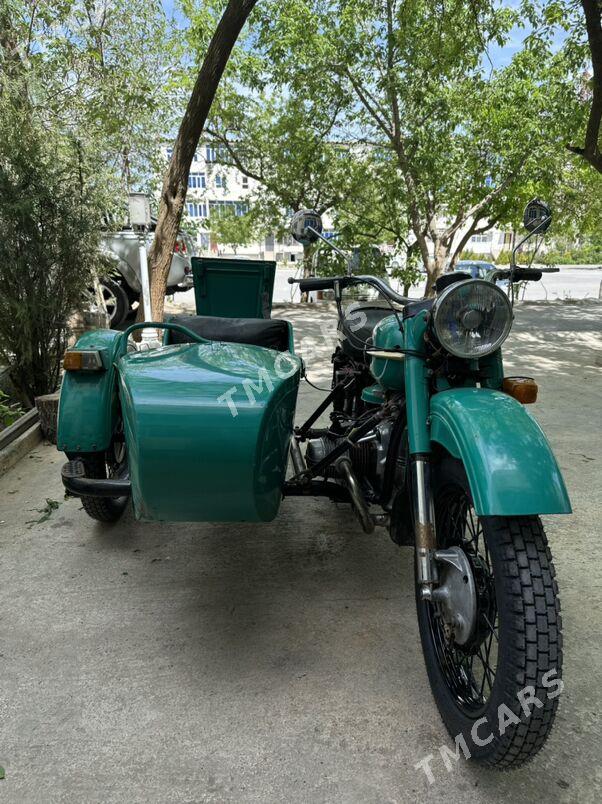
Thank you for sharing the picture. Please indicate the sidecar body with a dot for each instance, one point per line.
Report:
(207, 422)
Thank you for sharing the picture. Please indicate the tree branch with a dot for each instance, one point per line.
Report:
(473, 229)
(236, 160)
(477, 208)
(370, 104)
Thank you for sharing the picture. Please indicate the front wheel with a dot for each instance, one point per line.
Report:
(492, 638)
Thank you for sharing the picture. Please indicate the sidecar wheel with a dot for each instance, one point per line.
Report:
(497, 683)
(103, 509)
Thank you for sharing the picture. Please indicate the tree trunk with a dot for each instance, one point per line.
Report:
(436, 266)
(593, 23)
(175, 182)
(48, 407)
(306, 269)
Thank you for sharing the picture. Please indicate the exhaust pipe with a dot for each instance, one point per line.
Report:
(355, 492)
(297, 457)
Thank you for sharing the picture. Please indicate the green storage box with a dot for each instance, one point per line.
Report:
(233, 288)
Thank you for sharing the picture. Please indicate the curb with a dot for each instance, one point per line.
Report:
(19, 448)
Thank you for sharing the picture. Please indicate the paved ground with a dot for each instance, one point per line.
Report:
(189, 663)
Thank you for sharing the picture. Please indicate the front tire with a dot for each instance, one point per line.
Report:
(497, 691)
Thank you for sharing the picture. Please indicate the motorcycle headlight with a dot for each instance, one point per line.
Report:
(472, 318)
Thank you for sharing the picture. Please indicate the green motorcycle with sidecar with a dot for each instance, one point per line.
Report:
(427, 439)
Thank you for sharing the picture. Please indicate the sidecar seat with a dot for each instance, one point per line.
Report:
(270, 333)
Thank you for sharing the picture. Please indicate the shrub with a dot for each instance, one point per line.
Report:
(49, 229)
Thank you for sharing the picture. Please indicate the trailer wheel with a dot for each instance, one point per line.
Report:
(103, 509)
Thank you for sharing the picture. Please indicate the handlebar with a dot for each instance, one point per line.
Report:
(329, 283)
(316, 283)
(523, 273)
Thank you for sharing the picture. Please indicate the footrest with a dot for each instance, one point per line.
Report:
(73, 475)
(73, 468)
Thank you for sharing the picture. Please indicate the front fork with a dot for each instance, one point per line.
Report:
(417, 407)
(425, 537)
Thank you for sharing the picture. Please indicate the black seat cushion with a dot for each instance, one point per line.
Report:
(270, 333)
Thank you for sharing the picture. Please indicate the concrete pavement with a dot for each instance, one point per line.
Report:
(214, 663)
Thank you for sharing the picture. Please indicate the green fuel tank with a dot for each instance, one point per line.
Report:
(388, 372)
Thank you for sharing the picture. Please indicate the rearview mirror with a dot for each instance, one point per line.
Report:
(537, 216)
(306, 226)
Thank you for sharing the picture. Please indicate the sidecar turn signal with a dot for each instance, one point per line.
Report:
(523, 389)
(82, 361)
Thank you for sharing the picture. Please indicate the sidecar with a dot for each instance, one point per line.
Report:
(197, 429)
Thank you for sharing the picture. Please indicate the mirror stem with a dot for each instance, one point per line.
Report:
(528, 237)
(333, 247)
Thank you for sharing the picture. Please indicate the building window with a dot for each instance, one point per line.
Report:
(239, 208)
(209, 153)
(481, 238)
(169, 152)
(245, 182)
(196, 181)
(219, 180)
(197, 209)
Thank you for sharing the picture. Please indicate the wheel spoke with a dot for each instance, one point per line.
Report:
(491, 628)
(470, 670)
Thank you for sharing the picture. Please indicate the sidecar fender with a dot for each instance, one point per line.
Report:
(88, 407)
(509, 463)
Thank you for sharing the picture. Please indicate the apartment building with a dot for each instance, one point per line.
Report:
(213, 188)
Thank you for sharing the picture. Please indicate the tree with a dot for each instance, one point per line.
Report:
(228, 228)
(591, 151)
(411, 79)
(378, 214)
(49, 214)
(82, 107)
(87, 72)
(283, 142)
(282, 134)
(175, 182)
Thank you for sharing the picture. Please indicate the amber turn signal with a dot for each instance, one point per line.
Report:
(523, 389)
(82, 361)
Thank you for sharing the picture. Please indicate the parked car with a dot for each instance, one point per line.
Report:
(122, 289)
(478, 269)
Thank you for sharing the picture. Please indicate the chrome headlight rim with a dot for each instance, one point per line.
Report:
(449, 291)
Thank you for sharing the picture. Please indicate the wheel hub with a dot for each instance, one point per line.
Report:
(456, 595)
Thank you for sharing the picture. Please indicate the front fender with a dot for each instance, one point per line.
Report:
(509, 463)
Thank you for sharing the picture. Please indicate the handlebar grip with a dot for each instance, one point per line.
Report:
(520, 274)
(316, 283)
